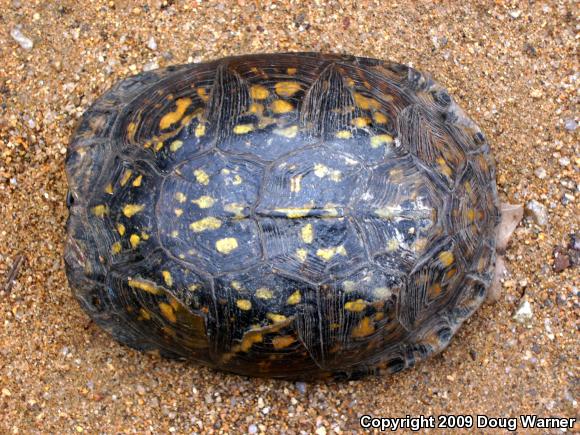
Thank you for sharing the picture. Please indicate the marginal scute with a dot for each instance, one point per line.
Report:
(293, 215)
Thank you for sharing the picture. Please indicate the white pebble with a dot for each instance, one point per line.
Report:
(151, 44)
(524, 313)
(540, 173)
(18, 36)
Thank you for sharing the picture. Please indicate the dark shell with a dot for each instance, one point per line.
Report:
(290, 215)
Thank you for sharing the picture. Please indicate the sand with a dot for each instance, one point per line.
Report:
(511, 66)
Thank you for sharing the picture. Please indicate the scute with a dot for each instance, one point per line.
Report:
(294, 215)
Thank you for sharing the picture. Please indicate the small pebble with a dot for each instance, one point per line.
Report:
(561, 259)
(540, 173)
(570, 124)
(301, 386)
(564, 161)
(22, 40)
(252, 429)
(149, 66)
(538, 212)
(151, 44)
(523, 314)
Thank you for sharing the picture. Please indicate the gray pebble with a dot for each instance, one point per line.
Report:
(570, 124)
(538, 212)
(252, 428)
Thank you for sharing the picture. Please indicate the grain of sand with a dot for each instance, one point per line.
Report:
(513, 66)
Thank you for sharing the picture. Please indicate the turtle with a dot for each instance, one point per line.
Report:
(289, 215)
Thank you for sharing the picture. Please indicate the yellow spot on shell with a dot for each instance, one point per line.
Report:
(302, 254)
(307, 233)
(259, 92)
(236, 285)
(380, 139)
(227, 245)
(244, 304)
(276, 318)
(193, 287)
(327, 253)
(134, 240)
(200, 130)
(202, 93)
(264, 293)
(281, 106)
(167, 277)
(175, 145)
(291, 71)
(392, 245)
(365, 102)
(144, 285)
(208, 223)
(287, 89)
(434, 290)
(144, 314)
(158, 146)
(236, 209)
(321, 171)
(172, 117)
(121, 229)
(385, 212)
(109, 189)
(289, 132)
(243, 128)
(294, 212)
(294, 298)
(201, 176)
(180, 197)
(100, 210)
(446, 258)
(444, 167)
(174, 233)
(126, 175)
(379, 118)
(178, 212)
(355, 306)
(256, 108)
(131, 129)
(237, 180)
(167, 312)
(364, 328)
(249, 339)
(116, 248)
(295, 183)
(343, 134)
(132, 209)
(471, 215)
(204, 201)
(282, 341)
(361, 122)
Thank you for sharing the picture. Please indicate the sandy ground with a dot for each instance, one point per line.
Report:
(512, 66)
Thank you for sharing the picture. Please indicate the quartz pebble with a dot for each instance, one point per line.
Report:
(523, 314)
(22, 40)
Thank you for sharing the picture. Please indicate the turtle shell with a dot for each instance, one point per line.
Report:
(295, 215)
